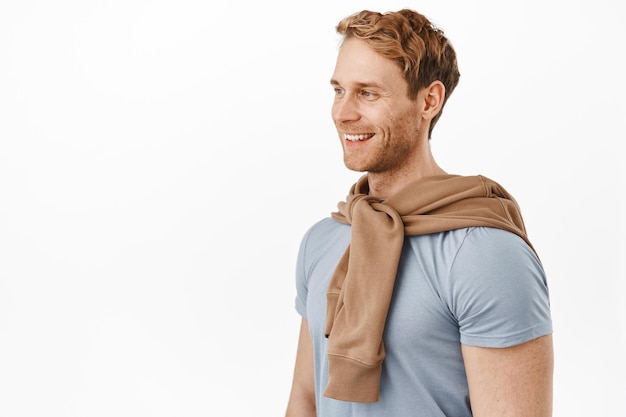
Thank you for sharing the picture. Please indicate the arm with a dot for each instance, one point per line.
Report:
(511, 382)
(302, 398)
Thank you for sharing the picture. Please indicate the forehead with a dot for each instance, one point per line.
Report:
(357, 63)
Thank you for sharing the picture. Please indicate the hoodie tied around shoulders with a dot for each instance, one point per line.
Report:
(361, 288)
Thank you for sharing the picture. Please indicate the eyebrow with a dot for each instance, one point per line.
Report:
(360, 84)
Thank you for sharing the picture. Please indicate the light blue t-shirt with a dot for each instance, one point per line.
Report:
(478, 286)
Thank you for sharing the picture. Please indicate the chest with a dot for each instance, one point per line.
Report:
(419, 311)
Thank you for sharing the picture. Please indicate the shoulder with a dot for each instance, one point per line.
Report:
(488, 246)
(325, 232)
(490, 256)
(323, 240)
(325, 225)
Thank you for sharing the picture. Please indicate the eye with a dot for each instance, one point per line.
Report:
(338, 91)
(368, 95)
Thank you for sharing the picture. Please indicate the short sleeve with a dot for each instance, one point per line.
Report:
(498, 290)
(301, 279)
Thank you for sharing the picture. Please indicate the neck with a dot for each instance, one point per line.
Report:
(386, 184)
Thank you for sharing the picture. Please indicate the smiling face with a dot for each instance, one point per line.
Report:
(380, 128)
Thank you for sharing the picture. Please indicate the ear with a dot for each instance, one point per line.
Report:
(434, 96)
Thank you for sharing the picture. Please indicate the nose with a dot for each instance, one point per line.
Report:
(345, 109)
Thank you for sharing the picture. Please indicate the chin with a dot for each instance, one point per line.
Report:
(357, 167)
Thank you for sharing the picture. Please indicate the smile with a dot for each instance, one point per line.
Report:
(355, 138)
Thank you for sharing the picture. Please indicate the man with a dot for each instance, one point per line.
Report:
(422, 295)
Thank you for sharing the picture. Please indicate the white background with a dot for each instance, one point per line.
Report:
(160, 161)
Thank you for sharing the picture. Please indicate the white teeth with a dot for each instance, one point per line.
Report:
(354, 138)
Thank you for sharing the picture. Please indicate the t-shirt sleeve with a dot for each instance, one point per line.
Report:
(301, 280)
(498, 289)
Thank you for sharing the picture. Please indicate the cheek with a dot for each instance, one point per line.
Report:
(408, 121)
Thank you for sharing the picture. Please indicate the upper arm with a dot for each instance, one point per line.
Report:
(302, 398)
(511, 382)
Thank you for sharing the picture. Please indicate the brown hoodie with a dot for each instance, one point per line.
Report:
(360, 290)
